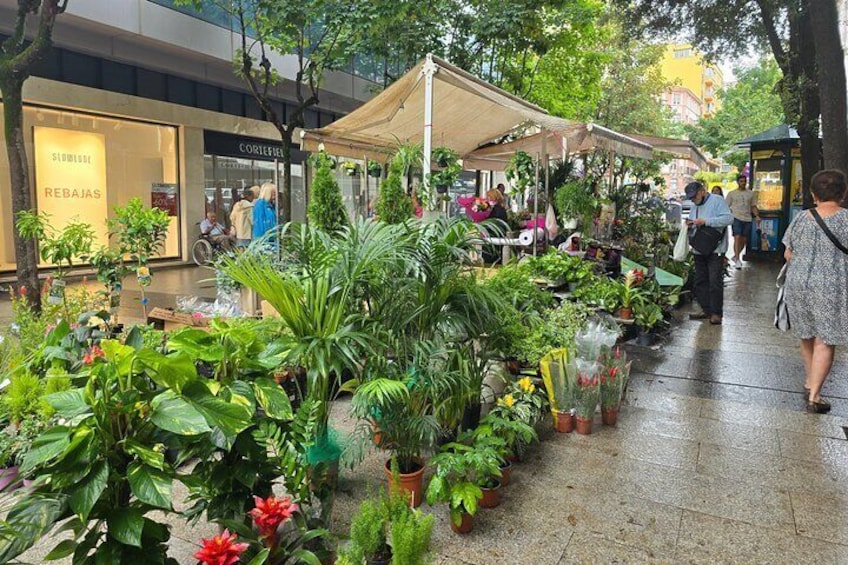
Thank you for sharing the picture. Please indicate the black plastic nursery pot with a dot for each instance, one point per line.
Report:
(442, 189)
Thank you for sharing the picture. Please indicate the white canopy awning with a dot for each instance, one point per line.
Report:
(677, 148)
(468, 113)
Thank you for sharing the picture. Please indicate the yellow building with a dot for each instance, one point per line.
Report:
(683, 66)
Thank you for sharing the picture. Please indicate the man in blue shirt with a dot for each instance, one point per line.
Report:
(712, 211)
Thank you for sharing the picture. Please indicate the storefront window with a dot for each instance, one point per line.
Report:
(83, 166)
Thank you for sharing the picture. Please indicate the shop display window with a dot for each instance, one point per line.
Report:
(768, 183)
(82, 166)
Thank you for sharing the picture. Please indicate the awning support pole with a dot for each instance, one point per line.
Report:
(429, 70)
(536, 205)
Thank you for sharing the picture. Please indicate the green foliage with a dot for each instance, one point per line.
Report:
(326, 208)
(647, 315)
(513, 283)
(520, 172)
(368, 530)
(138, 230)
(602, 294)
(411, 531)
(393, 205)
(59, 248)
(560, 267)
(503, 433)
(23, 396)
(110, 267)
(16, 440)
(749, 106)
(576, 200)
(557, 329)
(460, 470)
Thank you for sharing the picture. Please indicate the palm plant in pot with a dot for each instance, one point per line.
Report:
(558, 375)
(459, 471)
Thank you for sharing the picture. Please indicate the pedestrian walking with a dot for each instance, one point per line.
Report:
(816, 281)
(708, 221)
(743, 205)
(241, 217)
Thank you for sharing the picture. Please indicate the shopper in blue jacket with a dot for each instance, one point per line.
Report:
(264, 215)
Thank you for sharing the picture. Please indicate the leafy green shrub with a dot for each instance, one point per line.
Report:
(576, 200)
(23, 396)
(368, 531)
(140, 231)
(556, 329)
(326, 208)
(393, 206)
(520, 172)
(513, 284)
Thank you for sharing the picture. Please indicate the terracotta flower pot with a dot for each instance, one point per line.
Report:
(584, 426)
(626, 313)
(609, 416)
(465, 525)
(506, 473)
(563, 421)
(512, 458)
(513, 366)
(411, 483)
(491, 496)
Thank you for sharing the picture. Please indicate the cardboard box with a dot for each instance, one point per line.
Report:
(164, 319)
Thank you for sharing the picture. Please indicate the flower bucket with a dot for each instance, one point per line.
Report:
(563, 421)
(584, 426)
(609, 416)
(410, 483)
(465, 525)
(491, 496)
(625, 313)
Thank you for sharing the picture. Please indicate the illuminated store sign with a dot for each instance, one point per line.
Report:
(70, 177)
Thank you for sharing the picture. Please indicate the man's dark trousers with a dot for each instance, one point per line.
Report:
(709, 282)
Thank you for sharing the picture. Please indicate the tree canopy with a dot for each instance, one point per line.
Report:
(749, 106)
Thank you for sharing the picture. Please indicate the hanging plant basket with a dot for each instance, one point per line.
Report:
(375, 170)
(442, 189)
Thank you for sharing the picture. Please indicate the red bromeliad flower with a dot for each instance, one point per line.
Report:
(92, 354)
(221, 550)
(270, 513)
(23, 290)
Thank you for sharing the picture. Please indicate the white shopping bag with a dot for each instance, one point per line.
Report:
(681, 248)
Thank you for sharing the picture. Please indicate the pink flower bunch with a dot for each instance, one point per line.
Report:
(270, 513)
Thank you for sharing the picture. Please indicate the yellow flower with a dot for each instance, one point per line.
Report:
(527, 385)
(507, 401)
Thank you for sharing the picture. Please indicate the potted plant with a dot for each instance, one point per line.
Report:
(411, 531)
(407, 427)
(59, 248)
(559, 385)
(615, 372)
(375, 169)
(629, 293)
(326, 209)
(459, 471)
(368, 535)
(443, 180)
(140, 233)
(503, 435)
(444, 156)
(15, 443)
(524, 404)
(393, 205)
(586, 394)
(520, 172)
(350, 168)
(576, 201)
(647, 315)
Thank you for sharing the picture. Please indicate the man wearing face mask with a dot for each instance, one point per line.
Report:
(709, 214)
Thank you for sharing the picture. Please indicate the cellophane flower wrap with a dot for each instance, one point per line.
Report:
(615, 371)
(559, 373)
(587, 390)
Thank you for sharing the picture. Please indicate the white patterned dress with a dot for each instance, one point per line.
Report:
(817, 279)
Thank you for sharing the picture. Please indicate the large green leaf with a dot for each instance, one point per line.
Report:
(173, 414)
(45, 447)
(272, 398)
(150, 485)
(172, 372)
(261, 557)
(27, 522)
(125, 525)
(88, 492)
(63, 549)
(228, 417)
(147, 455)
(68, 404)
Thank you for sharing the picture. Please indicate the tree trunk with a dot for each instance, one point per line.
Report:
(831, 78)
(809, 105)
(285, 211)
(26, 255)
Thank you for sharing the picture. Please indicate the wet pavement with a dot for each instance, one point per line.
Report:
(713, 461)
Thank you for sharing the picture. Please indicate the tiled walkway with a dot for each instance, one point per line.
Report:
(713, 461)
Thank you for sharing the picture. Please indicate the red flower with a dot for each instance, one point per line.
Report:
(23, 290)
(270, 513)
(221, 550)
(92, 354)
(594, 381)
(613, 372)
(618, 353)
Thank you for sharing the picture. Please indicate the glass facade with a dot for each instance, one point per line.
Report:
(82, 166)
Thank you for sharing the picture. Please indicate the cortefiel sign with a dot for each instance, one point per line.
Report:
(70, 177)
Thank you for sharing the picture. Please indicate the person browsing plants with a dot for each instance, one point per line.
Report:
(707, 221)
